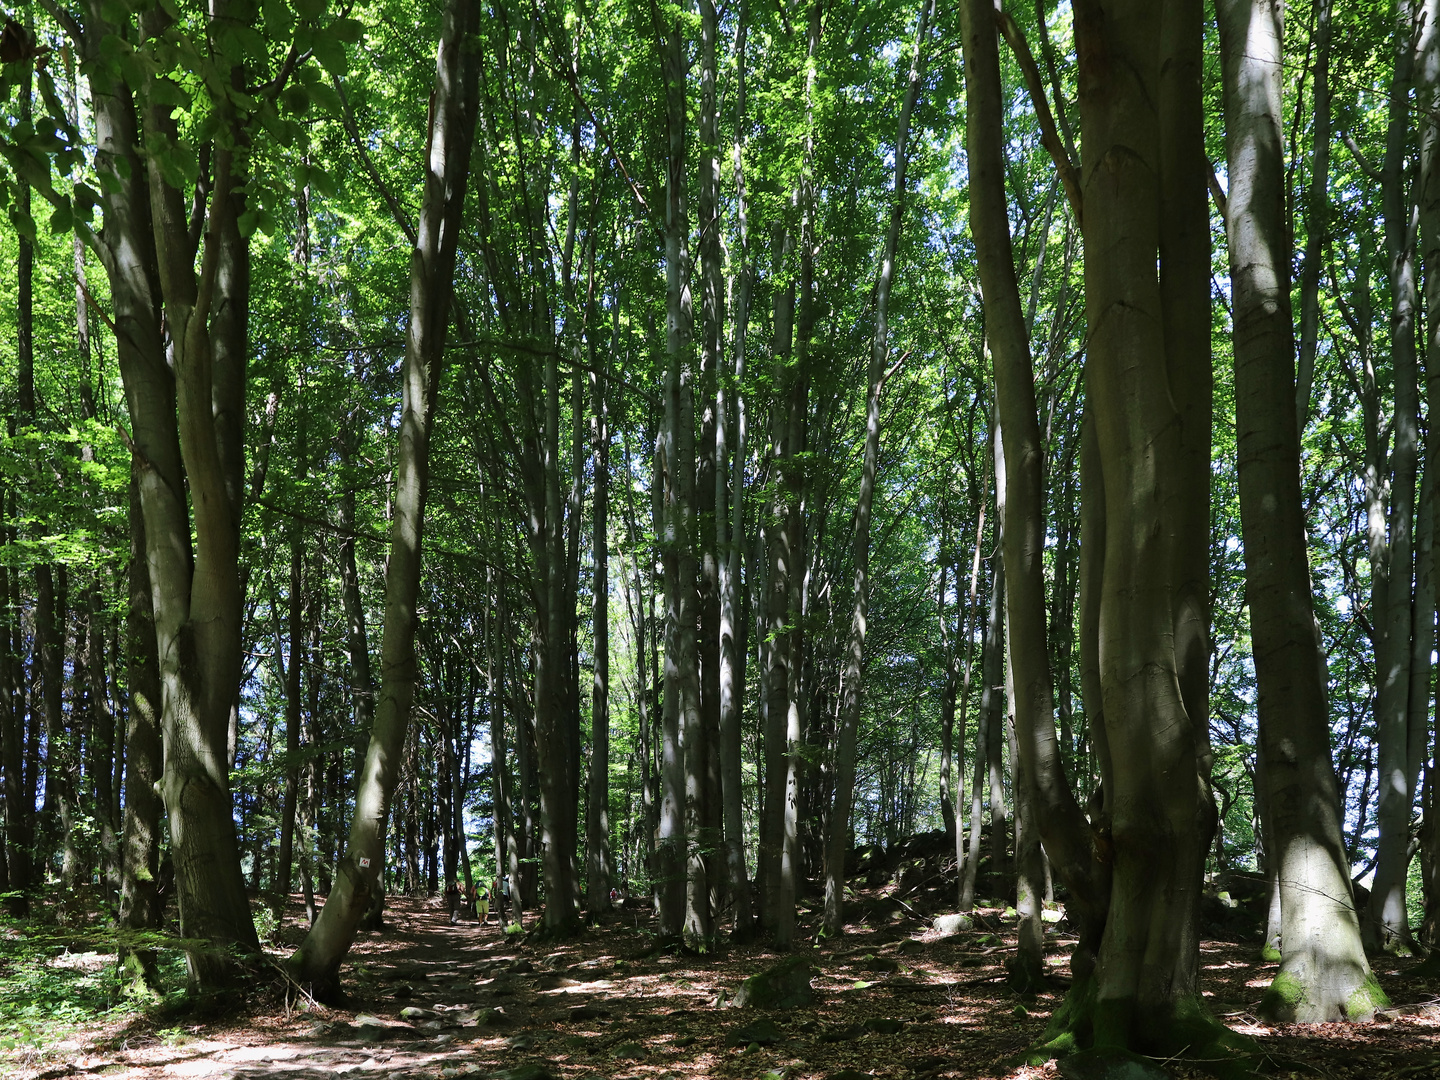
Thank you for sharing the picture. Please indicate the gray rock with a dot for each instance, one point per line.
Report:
(1111, 1064)
(631, 1050)
(522, 967)
(950, 925)
(784, 986)
(845, 1033)
(763, 1032)
(849, 1074)
(413, 1013)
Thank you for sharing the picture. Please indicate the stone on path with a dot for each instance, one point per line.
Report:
(763, 1031)
(950, 925)
(784, 986)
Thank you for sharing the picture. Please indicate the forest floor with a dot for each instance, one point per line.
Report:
(895, 1000)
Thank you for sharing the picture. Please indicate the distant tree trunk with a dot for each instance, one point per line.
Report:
(1386, 925)
(599, 867)
(729, 545)
(296, 621)
(1317, 216)
(452, 123)
(991, 659)
(838, 840)
(966, 856)
(140, 901)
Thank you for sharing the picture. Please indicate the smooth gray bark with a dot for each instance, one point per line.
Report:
(1323, 973)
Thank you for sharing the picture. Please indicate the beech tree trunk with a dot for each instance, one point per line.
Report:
(1386, 925)
(141, 906)
(600, 868)
(432, 264)
(1148, 383)
(732, 652)
(1323, 973)
(1044, 800)
(838, 840)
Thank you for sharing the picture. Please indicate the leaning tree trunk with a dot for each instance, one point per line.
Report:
(1044, 800)
(838, 839)
(1323, 973)
(432, 267)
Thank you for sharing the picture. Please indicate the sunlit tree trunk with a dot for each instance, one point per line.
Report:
(432, 264)
(599, 867)
(729, 545)
(1323, 972)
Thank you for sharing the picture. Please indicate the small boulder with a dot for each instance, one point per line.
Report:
(413, 1013)
(950, 925)
(631, 1051)
(764, 1032)
(784, 986)
(849, 1074)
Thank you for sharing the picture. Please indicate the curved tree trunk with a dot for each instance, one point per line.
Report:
(1043, 796)
(432, 264)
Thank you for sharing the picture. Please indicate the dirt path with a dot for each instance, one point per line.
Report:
(431, 1000)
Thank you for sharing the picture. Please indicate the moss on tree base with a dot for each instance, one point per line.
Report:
(1285, 1001)
(1085, 1025)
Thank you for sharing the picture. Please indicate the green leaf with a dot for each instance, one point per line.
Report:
(296, 99)
(246, 222)
(331, 55)
(63, 219)
(322, 182)
(23, 222)
(324, 98)
(311, 9)
(116, 12)
(165, 92)
(350, 31)
(279, 19)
